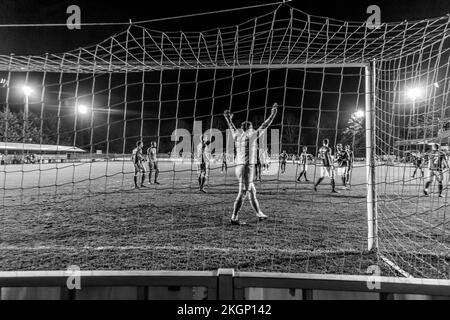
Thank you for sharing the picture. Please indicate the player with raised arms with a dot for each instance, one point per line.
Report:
(138, 160)
(245, 140)
(437, 162)
(203, 162)
(327, 168)
(152, 162)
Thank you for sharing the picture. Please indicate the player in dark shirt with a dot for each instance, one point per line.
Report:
(351, 160)
(303, 162)
(342, 158)
(283, 160)
(418, 164)
(327, 165)
(203, 162)
(437, 162)
(152, 158)
(138, 162)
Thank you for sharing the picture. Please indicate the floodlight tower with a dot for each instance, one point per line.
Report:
(27, 91)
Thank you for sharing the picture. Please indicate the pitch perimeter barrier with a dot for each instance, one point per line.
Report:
(223, 284)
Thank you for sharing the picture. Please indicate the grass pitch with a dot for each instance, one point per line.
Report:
(88, 214)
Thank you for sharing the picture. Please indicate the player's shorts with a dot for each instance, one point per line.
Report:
(342, 171)
(327, 172)
(203, 168)
(139, 167)
(245, 174)
(438, 174)
(153, 165)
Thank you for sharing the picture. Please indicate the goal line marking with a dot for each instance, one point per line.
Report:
(395, 267)
(177, 248)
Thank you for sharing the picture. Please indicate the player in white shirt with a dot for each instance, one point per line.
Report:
(203, 162)
(152, 162)
(245, 140)
(138, 162)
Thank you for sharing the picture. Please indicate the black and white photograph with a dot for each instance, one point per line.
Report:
(234, 151)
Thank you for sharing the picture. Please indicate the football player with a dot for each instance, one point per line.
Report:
(245, 140)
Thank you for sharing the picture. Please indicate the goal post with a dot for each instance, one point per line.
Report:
(370, 101)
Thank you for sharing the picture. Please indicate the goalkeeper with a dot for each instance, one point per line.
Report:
(245, 140)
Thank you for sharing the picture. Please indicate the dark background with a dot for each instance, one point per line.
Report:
(41, 40)
(304, 120)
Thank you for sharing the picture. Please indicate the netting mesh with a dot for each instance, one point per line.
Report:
(67, 175)
(411, 116)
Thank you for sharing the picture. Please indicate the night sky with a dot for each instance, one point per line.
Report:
(59, 39)
(178, 109)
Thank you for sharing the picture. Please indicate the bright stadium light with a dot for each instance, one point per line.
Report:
(82, 109)
(359, 114)
(414, 93)
(436, 85)
(27, 91)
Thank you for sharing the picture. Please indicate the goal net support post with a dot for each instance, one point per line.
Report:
(370, 101)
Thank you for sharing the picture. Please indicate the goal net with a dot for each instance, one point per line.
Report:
(71, 121)
(411, 118)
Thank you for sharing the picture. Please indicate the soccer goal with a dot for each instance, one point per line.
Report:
(381, 93)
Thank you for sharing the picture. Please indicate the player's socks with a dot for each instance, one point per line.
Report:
(333, 186)
(318, 182)
(343, 181)
(202, 181)
(441, 187)
(425, 190)
(135, 182)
